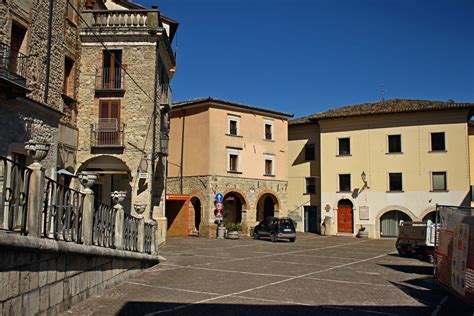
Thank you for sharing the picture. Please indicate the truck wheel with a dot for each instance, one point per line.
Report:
(402, 253)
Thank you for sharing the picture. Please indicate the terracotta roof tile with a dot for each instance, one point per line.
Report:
(384, 107)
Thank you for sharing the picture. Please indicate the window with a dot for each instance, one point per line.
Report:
(344, 146)
(68, 84)
(268, 130)
(233, 125)
(268, 167)
(111, 69)
(344, 183)
(394, 143)
(108, 126)
(71, 7)
(439, 181)
(310, 185)
(233, 160)
(269, 164)
(309, 153)
(395, 182)
(18, 45)
(438, 142)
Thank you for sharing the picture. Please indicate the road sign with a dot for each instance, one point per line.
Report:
(219, 197)
(218, 215)
(219, 206)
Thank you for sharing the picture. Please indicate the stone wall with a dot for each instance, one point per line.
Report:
(251, 190)
(47, 277)
(23, 121)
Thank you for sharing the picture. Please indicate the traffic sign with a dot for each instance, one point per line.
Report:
(218, 215)
(219, 197)
(219, 206)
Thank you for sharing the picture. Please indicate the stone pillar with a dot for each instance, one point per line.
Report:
(87, 180)
(38, 152)
(154, 243)
(118, 197)
(141, 235)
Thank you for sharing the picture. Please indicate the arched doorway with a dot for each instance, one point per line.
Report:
(113, 175)
(345, 216)
(195, 212)
(266, 206)
(390, 222)
(431, 216)
(232, 212)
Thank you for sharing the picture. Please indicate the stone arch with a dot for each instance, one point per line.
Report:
(389, 209)
(234, 205)
(426, 212)
(267, 204)
(245, 203)
(196, 211)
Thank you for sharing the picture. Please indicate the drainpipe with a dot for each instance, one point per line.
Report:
(155, 114)
(182, 156)
(48, 55)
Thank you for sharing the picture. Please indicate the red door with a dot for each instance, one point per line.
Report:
(344, 219)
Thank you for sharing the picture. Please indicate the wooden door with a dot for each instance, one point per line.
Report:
(344, 219)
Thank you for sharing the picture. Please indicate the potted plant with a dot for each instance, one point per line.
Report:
(362, 232)
(233, 230)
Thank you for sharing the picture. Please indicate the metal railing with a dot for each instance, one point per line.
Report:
(110, 79)
(107, 132)
(120, 18)
(104, 218)
(62, 212)
(148, 237)
(14, 187)
(13, 64)
(130, 232)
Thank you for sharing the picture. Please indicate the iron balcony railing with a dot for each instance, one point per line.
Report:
(107, 132)
(13, 64)
(110, 79)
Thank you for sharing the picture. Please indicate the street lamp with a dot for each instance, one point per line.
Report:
(363, 176)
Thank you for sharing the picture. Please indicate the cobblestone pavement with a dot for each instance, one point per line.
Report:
(313, 276)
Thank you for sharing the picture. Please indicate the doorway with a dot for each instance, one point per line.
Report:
(345, 216)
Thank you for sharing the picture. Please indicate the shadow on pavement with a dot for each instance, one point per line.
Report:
(424, 270)
(154, 308)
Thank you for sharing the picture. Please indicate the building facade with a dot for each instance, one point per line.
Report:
(389, 161)
(125, 69)
(37, 39)
(304, 186)
(224, 147)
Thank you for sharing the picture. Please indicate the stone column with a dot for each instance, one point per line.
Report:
(140, 209)
(38, 152)
(154, 239)
(87, 180)
(118, 197)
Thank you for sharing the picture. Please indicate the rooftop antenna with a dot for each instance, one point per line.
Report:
(382, 92)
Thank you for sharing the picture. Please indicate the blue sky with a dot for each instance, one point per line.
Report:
(306, 56)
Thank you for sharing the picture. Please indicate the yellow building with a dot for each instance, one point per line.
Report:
(224, 147)
(389, 161)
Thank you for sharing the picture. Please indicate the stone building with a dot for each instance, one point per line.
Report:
(377, 164)
(38, 50)
(125, 68)
(225, 147)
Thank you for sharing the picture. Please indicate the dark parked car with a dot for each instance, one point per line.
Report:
(275, 228)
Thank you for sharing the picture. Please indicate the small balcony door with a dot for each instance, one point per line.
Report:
(111, 69)
(108, 132)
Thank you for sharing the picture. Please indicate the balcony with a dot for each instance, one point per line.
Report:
(107, 133)
(13, 68)
(110, 81)
(166, 94)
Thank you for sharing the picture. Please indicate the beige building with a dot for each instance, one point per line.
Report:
(389, 161)
(224, 147)
(124, 72)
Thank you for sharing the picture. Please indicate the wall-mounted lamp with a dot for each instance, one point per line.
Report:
(363, 176)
